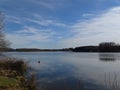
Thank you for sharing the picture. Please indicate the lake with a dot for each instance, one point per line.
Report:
(73, 71)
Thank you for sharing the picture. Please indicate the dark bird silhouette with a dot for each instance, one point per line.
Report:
(38, 61)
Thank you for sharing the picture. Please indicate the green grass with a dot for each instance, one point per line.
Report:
(6, 82)
(12, 74)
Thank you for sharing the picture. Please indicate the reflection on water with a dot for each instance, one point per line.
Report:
(112, 81)
(69, 84)
(107, 57)
(71, 71)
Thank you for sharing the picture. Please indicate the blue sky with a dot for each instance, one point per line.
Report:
(60, 23)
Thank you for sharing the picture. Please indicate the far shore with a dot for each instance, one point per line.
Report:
(102, 47)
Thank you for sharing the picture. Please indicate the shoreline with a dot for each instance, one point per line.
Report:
(12, 75)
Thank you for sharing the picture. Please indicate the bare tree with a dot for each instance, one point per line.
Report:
(3, 42)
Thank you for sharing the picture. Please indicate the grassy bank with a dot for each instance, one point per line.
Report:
(12, 75)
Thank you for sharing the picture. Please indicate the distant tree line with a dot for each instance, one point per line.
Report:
(31, 49)
(34, 49)
(102, 47)
(109, 47)
(86, 49)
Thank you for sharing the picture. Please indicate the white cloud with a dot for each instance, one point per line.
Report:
(100, 28)
(88, 15)
(48, 22)
(105, 27)
(50, 4)
(13, 19)
(29, 36)
(36, 19)
(32, 32)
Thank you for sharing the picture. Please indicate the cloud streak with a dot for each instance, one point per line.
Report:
(50, 4)
(98, 28)
(36, 19)
(29, 36)
(104, 27)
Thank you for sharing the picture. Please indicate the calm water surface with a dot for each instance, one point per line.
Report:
(72, 71)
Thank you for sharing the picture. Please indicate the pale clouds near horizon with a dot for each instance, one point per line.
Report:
(104, 27)
(99, 28)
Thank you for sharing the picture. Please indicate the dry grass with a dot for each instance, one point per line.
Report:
(12, 75)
